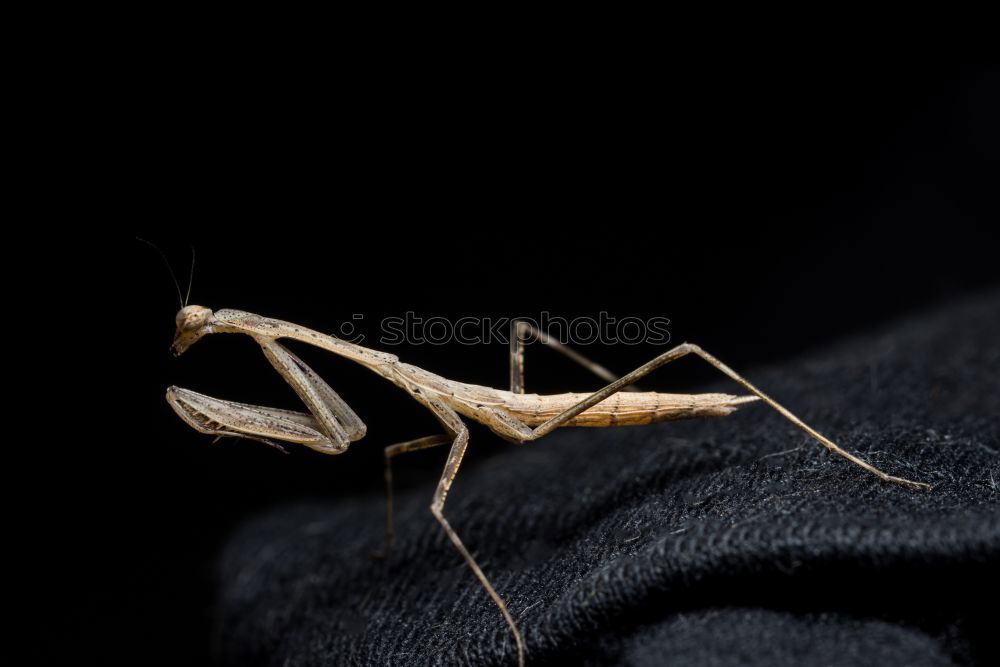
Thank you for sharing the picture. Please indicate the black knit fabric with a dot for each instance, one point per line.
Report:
(733, 541)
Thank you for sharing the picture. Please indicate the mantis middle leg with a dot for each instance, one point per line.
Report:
(390, 452)
(454, 424)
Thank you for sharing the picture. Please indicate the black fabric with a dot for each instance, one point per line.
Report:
(731, 541)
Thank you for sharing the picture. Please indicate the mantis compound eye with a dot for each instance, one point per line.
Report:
(192, 318)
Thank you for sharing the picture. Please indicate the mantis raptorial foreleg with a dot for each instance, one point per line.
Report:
(215, 416)
(522, 332)
(334, 415)
(330, 427)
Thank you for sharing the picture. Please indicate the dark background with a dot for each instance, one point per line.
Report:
(765, 210)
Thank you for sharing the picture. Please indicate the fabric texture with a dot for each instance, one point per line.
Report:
(729, 541)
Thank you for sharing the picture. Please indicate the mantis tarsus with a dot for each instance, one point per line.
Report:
(331, 425)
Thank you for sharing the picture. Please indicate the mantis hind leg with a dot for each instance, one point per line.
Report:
(522, 332)
(685, 349)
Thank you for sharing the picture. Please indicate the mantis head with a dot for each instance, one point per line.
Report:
(193, 322)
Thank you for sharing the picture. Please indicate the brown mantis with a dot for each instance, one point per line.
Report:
(330, 425)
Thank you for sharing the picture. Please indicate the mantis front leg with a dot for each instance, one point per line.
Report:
(330, 427)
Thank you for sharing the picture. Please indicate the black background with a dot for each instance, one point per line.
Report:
(764, 210)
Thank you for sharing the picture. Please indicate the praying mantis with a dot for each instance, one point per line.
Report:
(331, 425)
